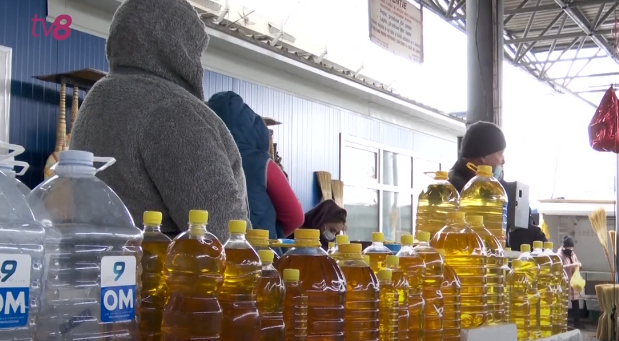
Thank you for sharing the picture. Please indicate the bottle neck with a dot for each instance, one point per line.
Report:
(304, 242)
(477, 226)
(423, 243)
(292, 283)
(267, 266)
(237, 236)
(378, 244)
(258, 242)
(350, 256)
(152, 228)
(197, 230)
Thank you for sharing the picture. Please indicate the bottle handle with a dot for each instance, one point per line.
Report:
(16, 150)
(24, 167)
(107, 161)
(471, 166)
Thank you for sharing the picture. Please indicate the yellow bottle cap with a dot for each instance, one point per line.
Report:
(538, 244)
(548, 245)
(291, 275)
(484, 170)
(441, 252)
(257, 234)
(378, 237)
(505, 248)
(349, 248)
(307, 234)
(266, 256)
(366, 259)
(384, 274)
(407, 239)
(455, 215)
(152, 218)
(441, 175)
(237, 226)
(392, 260)
(525, 248)
(423, 236)
(341, 239)
(516, 263)
(475, 219)
(199, 217)
(331, 245)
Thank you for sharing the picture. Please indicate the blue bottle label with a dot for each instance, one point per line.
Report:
(505, 217)
(14, 290)
(118, 282)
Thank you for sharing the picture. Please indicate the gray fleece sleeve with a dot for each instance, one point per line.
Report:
(187, 162)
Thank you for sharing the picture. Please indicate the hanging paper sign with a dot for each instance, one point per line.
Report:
(396, 26)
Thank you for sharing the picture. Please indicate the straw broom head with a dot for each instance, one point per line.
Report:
(337, 186)
(598, 223)
(324, 183)
(613, 241)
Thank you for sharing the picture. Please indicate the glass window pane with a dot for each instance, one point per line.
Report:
(396, 169)
(362, 207)
(358, 164)
(420, 179)
(397, 215)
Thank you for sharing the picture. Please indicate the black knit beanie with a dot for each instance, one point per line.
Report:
(568, 242)
(482, 139)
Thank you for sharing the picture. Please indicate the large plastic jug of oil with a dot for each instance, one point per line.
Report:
(495, 272)
(518, 288)
(434, 202)
(388, 317)
(378, 252)
(194, 272)
(259, 240)
(451, 301)
(154, 291)
(322, 281)
(557, 298)
(237, 295)
(432, 280)
(484, 195)
(531, 270)
(361, 314)
(339, 240)
(413, 267)
(270, 297)
(295, 307)
(401, 284)
(465, 253)
(544, 287)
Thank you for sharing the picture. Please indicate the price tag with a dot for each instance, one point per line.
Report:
(14, 290)
(118, 281)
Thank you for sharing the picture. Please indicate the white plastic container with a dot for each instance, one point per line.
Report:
(7, 166)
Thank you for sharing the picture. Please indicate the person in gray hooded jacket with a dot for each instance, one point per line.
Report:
(173, 153)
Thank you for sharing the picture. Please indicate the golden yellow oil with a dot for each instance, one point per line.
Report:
(434, 202)
(495, 272)
(259, 240)
(400, 283)
(531, 270)
(565, 289)
(432, 281)
(545, 288)
(451, 299)
(413, 268)
(362, 294)
(484, 195)
(557, 298)
(464, 252)
(506, 270)
(270, 295)
(388, 316)
(154, 291)
(295, 307)
(518, 288)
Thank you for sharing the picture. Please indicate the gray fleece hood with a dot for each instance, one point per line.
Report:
(162, 37)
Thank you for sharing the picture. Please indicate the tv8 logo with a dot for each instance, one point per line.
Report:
(14, 290)
(118, 284)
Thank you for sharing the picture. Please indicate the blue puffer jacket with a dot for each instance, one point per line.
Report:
(252, 138)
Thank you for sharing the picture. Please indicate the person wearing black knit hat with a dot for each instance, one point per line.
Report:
(570, 264)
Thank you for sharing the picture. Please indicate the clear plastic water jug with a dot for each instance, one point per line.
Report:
(7, 166)
(93, 254)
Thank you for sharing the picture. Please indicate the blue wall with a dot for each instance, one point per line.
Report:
(308, 137)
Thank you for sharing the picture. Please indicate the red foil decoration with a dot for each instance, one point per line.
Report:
(603, 133)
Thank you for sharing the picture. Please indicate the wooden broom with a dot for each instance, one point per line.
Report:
(600, 227)
(337, 187)
(324, 183)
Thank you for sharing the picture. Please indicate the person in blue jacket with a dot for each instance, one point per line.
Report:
(273, 205)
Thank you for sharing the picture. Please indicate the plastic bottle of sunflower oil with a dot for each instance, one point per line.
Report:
(518, 287)
(451, 300)
(237, 295)
(531, 269)
(339, 240)
(506, 269)
(92, 255)
(434, 202)
(465, 253)
(400, 283)
(495, 273)
(330, 248)
(295, 307)
(362, 293)
(565, 302)
(270, 296)
(322, 281)
(389, 303)
(557, 299)
(194, 272)
(154, 291)
(432, 281)
(413, 267)
(259, 240)
(544, 287)
(484, 195)
(378, 252)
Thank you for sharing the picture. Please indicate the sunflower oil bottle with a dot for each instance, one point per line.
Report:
(544, 287)
(557, 299)
(362, 293)
(378, 252)
(322, 281)
(339, 240)
(565, 283)
(330, 248)
(389, 300)
(237, 295)
(154, 292)
(484, 195)
(518, 288)
(413, 267)
(400, 283)
(434, 202)
(495, 272)
(259, 240)
(295, 307)
(531, 270)
(194, 272)
(270, 300)
(465, 253)
(506, 270)
(432, 281)
(451, 301)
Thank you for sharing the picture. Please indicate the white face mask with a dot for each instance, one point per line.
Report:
(328, 234)
(497, 172)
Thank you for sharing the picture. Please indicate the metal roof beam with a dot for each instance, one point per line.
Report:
(560, 60)
(551, 7)
(548, 37)
(606, 74)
